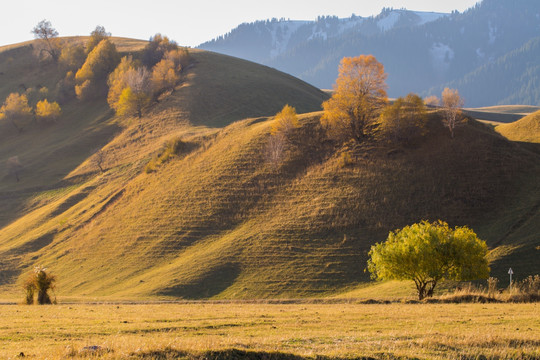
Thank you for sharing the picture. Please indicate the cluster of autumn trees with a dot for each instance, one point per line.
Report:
(359, 106)
(18, 112)
(359, 110)
(96, 69)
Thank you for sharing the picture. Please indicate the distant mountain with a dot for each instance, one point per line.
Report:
(420, 51)
(511, 79)
(264, 40)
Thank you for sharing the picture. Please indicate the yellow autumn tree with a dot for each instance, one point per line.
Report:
(164, 76)
(91, 78)
(136, 95)
(405, 119)
(117, 80)
(359, 95)
(285, 121)
(16, 110)
(47, 111)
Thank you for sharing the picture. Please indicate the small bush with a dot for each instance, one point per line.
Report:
(41, 282)
(345, 159)
(171, 148)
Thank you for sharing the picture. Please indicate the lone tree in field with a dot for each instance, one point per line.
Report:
(427, 253)
(285, 121)
(452, 104)
(359, 95)
(281, 130)
(39, 281)
(48, 37)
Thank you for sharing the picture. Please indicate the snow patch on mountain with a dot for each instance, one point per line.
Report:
(426, 17)
(394, 16)
(281, 33)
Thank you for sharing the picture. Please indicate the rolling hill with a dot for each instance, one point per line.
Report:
(220, 221)
(526, 129)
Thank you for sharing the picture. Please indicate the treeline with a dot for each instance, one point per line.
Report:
(359, 112)
(96, 70)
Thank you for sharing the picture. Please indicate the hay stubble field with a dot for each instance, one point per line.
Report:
(214, 329)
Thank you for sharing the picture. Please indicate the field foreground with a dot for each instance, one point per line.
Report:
(272, 331)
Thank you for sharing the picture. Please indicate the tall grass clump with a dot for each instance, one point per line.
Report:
(527, 290)
(39, 281)
(171, 148)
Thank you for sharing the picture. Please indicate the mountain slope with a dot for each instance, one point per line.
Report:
(418, 55)
(511, 79)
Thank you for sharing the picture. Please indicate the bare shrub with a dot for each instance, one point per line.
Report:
(39, 281)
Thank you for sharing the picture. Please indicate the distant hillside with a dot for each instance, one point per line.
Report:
(218, 220)
(264, 40)
(420, 51)
(511, 79)
(525, 130)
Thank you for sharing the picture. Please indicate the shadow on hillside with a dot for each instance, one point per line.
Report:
(206, 286)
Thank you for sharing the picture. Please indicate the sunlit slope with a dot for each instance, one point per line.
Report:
(57, 172)
(525, 130)
(220, 221)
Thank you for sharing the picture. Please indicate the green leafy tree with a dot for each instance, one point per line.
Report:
(427, 253)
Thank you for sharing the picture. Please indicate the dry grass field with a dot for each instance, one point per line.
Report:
(258, 330)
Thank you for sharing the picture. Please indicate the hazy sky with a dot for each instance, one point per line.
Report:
(188, 22)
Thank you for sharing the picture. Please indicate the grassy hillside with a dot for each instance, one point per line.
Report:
(525, 130)
(218, 220)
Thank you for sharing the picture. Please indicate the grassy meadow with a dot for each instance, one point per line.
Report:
(210, 330)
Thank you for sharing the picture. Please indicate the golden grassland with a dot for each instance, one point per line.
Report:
(345, 330)
(525, 130)
(218, 220)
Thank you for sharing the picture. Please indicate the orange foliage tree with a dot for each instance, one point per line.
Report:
(359, 94)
